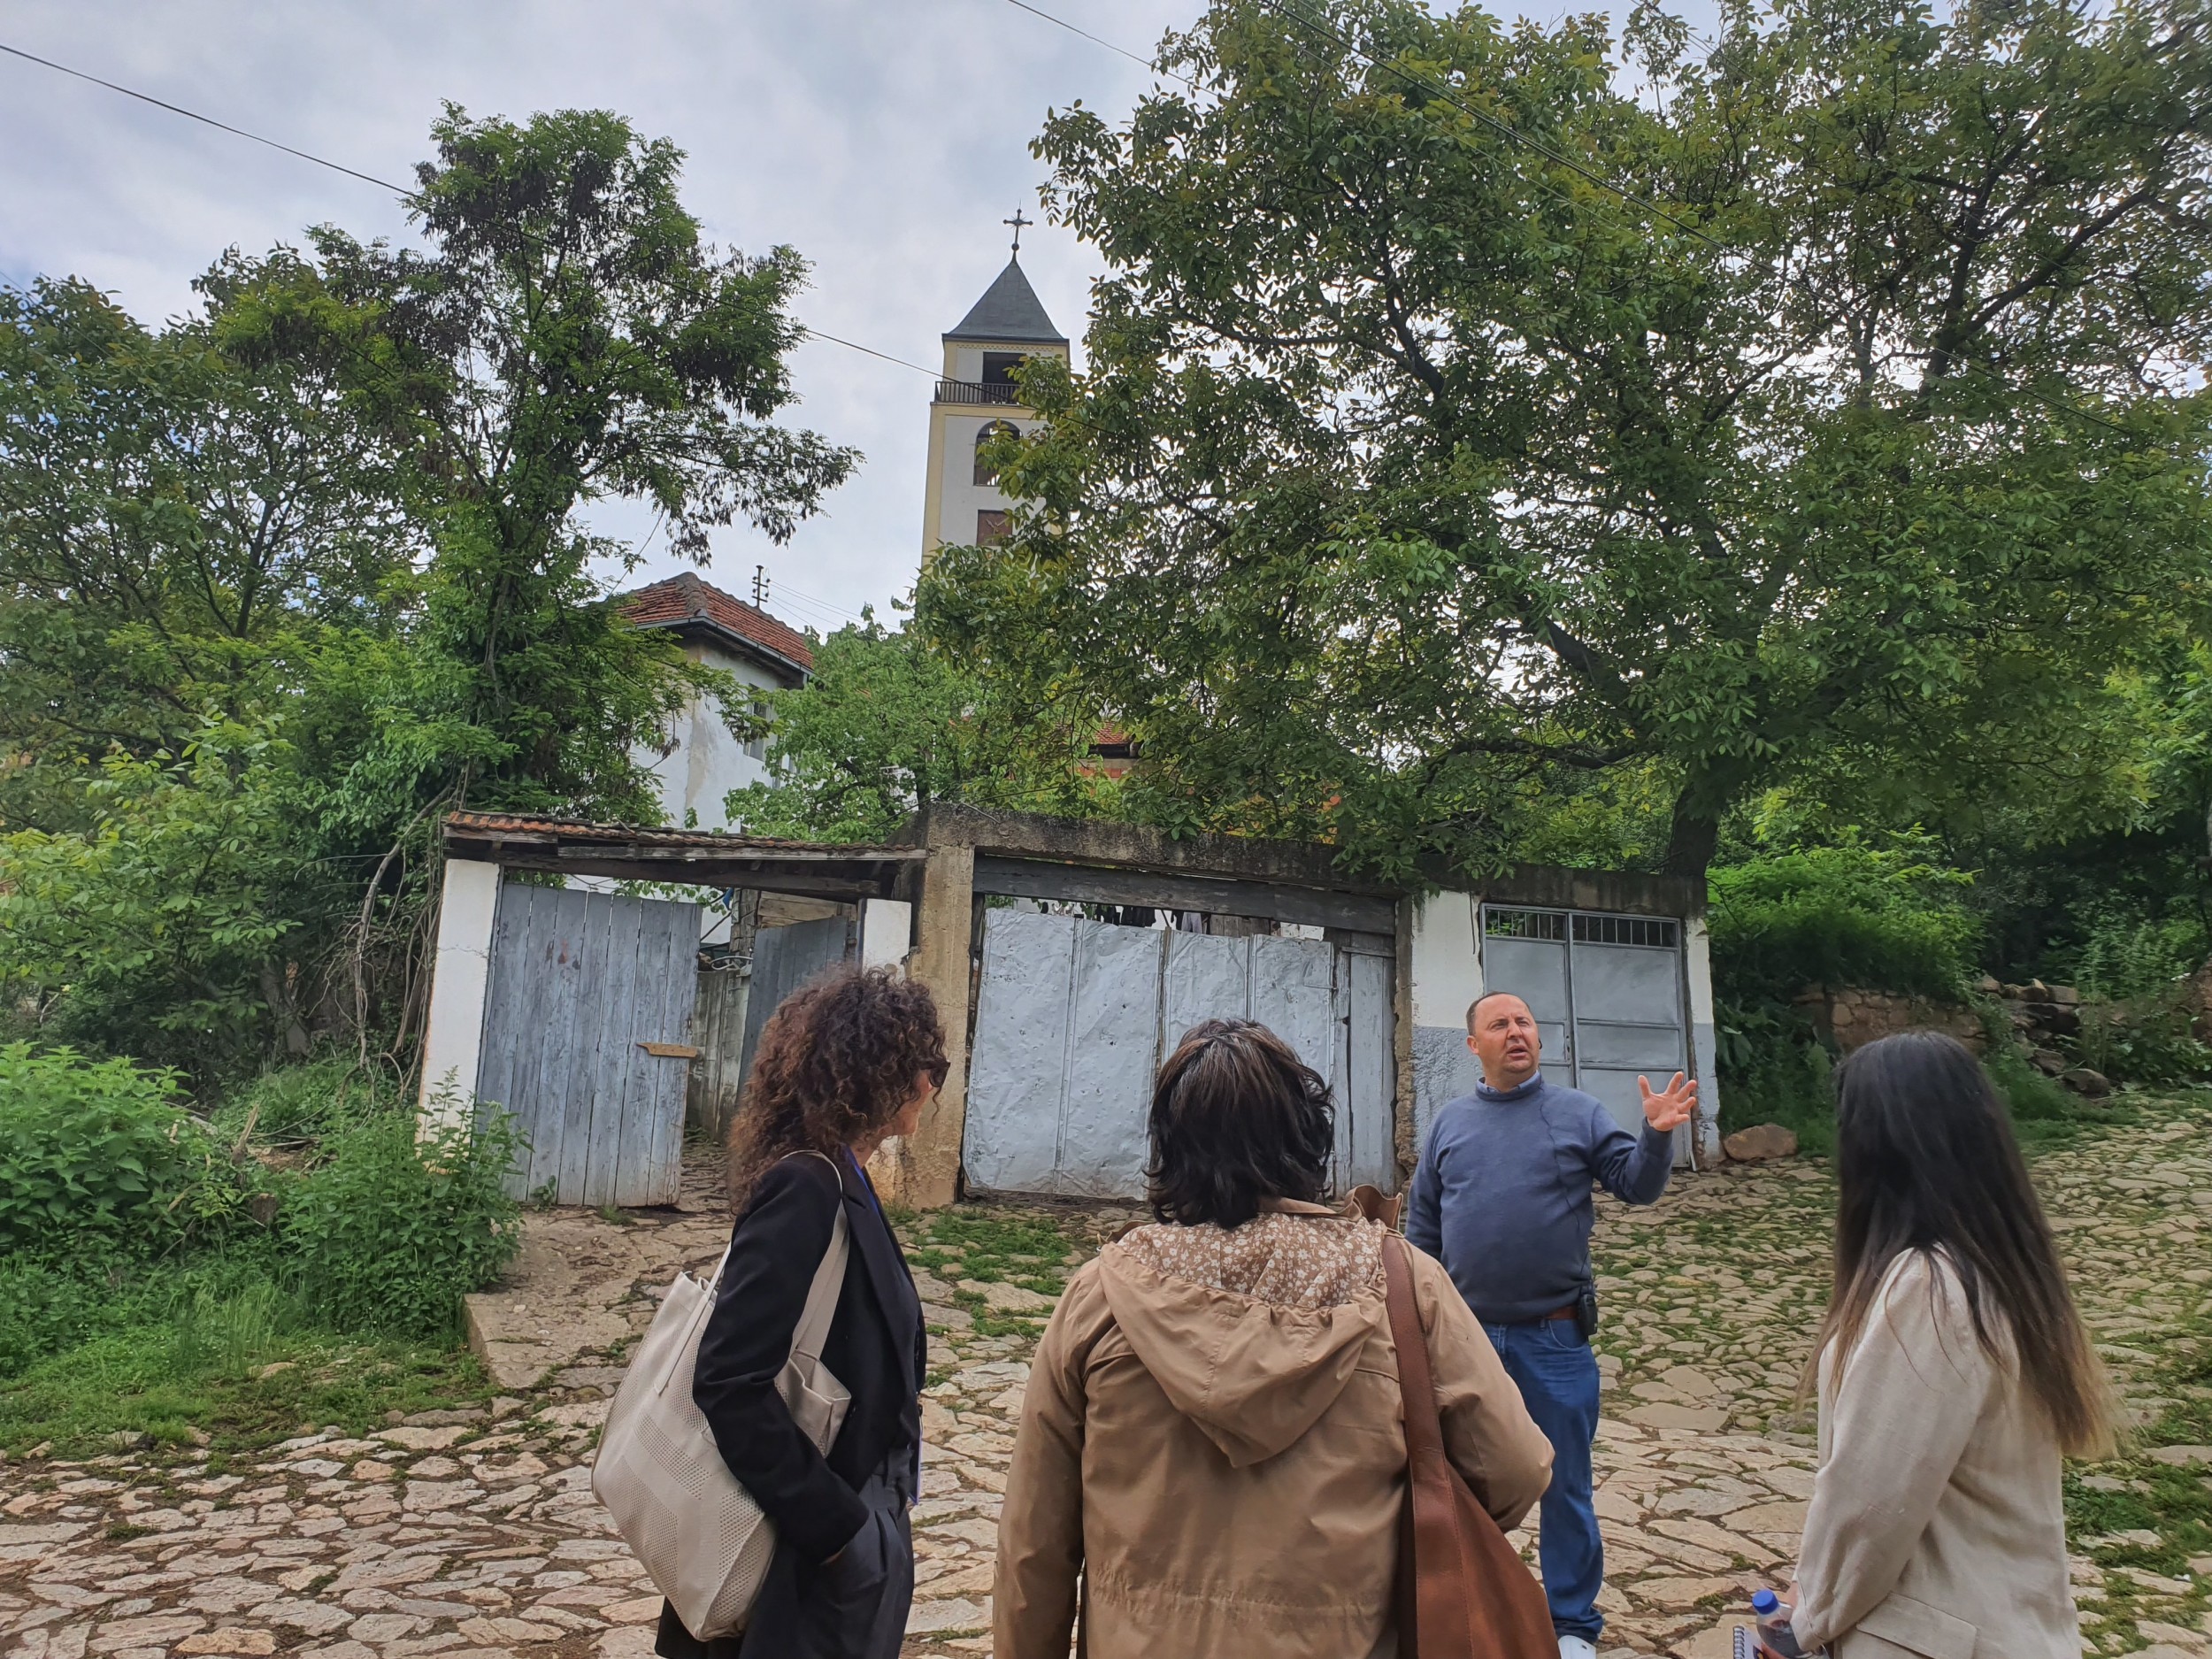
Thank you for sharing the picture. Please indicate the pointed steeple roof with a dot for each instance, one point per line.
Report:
(1011, 312)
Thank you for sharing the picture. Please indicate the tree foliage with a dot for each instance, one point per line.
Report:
(886, 725)
(1414, 473)
(568, 338)
(175, 518)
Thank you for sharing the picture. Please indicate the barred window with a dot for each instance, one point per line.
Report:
(1503, 924)
(1658, 931)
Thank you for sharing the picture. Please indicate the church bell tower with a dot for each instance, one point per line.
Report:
(977, 400)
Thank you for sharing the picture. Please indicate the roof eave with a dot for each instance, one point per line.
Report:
(743, 644)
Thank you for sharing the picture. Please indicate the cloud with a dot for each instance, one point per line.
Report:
(884, 139)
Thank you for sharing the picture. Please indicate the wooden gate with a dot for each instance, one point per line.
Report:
(587, 1033)
(1073, 1016)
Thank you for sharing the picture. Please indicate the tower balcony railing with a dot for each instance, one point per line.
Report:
(1002, 393)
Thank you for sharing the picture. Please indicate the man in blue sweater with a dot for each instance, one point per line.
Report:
(1502, 1197)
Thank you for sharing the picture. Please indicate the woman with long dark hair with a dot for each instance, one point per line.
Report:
(1212, 1444)
(1953, 1373)
(843, 1064)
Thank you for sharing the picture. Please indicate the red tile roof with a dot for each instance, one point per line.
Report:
(685, 598)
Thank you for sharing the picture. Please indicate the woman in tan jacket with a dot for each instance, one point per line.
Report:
(1212, 1436)
(1953, 1373)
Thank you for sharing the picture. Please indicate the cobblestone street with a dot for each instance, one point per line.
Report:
(475, 1532)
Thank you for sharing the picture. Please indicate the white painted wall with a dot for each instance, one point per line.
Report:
(886, 932)
(460, 974)
(1697, 964)
(1447, 976)
(703, 761)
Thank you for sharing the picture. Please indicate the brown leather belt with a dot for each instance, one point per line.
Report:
(1567, 1312)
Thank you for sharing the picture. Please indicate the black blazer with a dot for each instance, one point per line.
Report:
(876, 1348)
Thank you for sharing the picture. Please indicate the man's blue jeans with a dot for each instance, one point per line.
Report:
(1557, 1376)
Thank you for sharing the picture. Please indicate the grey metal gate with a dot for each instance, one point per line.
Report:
(1073, 1016)
(586, 1030)
(784, 959)
(1606, 990)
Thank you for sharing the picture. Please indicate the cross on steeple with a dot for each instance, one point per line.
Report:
(1017, 221)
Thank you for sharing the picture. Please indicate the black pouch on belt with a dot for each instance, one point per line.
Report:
(1586, 1309)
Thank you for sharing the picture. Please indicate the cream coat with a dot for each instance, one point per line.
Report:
(1936, 1527)
(1229, 1473)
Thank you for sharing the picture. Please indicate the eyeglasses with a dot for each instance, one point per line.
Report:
(939, 1070)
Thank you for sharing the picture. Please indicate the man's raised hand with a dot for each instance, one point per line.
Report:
(1672, 1108)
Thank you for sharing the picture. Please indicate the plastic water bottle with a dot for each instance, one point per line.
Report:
(1775, 1634)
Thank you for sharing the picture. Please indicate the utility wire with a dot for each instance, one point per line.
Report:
(209, 120)
(1100, 39)
(411, 196)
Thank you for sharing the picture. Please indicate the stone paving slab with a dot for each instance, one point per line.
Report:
(479, 1539)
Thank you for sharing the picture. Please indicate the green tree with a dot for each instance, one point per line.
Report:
(174, 518)
(568, 338)
(167, 929)
(1415, 475)
(886, 725)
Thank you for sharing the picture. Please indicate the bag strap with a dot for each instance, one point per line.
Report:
(1432, 1608)
(812, 1335)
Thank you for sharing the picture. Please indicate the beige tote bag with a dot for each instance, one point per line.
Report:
(696, 1531)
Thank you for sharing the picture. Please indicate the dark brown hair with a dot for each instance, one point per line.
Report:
(838, 1060)
(1925, 1160)
(1236, 1117)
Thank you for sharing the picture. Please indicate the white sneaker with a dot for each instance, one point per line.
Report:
(1577, 1647)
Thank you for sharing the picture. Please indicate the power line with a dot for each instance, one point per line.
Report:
(402, 191)
(209, 120)
(1100, 39)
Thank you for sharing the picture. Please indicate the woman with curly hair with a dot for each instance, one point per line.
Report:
(842, 1065)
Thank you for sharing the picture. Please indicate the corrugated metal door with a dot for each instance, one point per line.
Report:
(580, 983)
(1073, 1017)
(1606, 991)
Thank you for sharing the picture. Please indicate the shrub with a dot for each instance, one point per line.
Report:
(302, 1103)
(100, 1156)
(2127, 958)
(1774, 1070)
(1837, 916)
(157, 931)
(388, 1234)
(2148, 1041)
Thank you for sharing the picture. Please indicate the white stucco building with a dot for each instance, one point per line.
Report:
(700, 761)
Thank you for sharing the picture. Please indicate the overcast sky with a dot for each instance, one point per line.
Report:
(884, 139)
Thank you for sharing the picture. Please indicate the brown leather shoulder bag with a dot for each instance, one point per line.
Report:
(1463, 1592)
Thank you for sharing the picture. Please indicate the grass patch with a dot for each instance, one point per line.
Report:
(204, 1371)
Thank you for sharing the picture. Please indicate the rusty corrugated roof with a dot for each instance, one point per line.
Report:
(661, 835)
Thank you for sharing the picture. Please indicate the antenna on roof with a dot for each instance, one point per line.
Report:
(760, 585)
(1017, 221)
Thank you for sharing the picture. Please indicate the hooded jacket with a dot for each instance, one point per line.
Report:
(1212, 1437)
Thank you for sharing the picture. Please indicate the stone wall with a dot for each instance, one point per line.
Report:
(1851, 1018)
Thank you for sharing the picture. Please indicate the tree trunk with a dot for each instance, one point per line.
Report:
(1694, 835)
